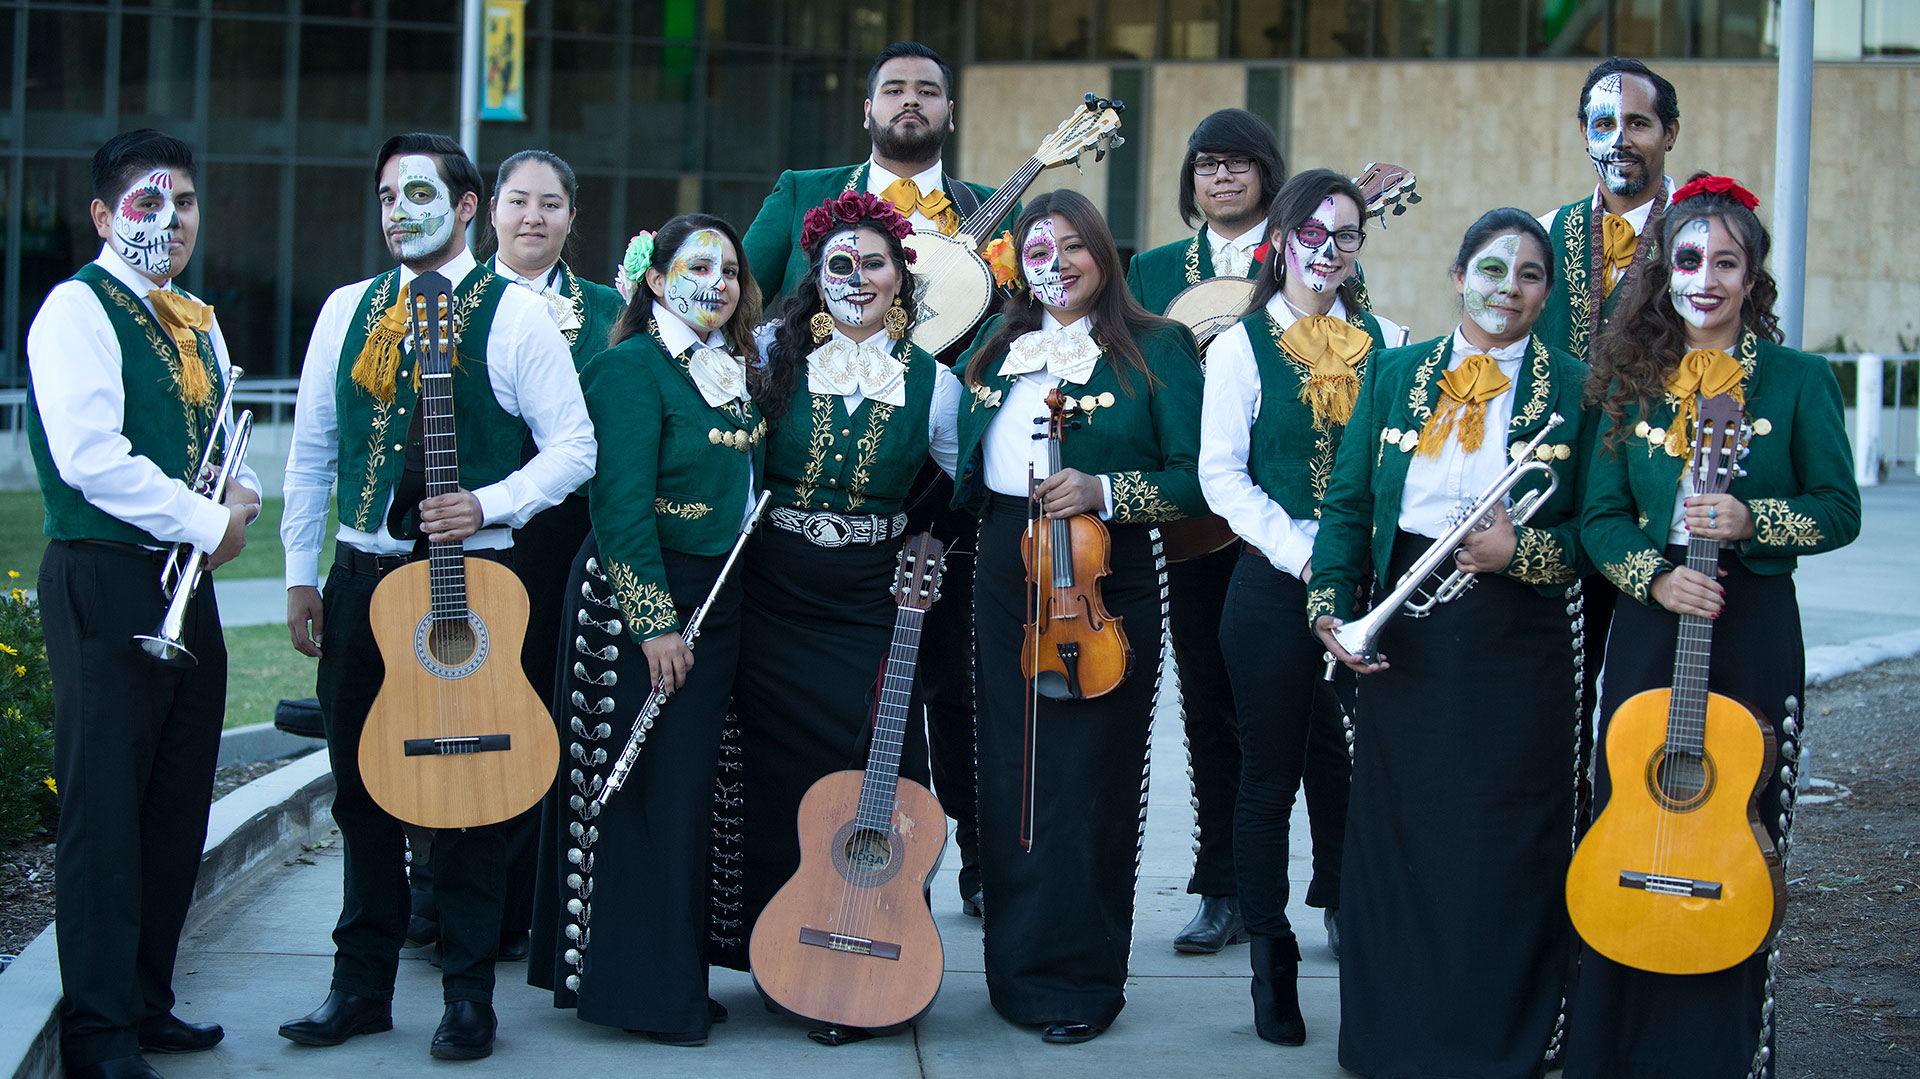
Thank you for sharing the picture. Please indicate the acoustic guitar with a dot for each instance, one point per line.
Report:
(456, 737)
(849, 940)
(1678, 875)
(954, 286)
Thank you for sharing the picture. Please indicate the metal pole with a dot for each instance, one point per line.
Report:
(471, 29)
(1792, 123)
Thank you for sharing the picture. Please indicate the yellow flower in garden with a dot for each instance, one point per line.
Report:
(9, 649)
(19, 596)
(20, 670)
(50, 785)
(14, 574)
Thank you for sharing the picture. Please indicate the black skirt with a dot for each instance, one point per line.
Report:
(815, 630)
(620, 907)
(1454, 933)
(1633, 1024)
(1060, 917)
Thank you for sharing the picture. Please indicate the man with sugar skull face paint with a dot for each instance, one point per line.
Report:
(127, 372)
(353, 420)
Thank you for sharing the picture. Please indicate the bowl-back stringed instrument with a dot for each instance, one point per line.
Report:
(1678, 876)
(456, 737)
(849, 940)
(954, 287)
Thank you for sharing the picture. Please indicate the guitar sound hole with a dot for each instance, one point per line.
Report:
(868, 852)
(1681, 782)
(451, 643)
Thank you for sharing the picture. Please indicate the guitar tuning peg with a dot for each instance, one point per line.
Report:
(1114, 141)
(1099, 154)
(1399, 209)
(1413, 198)
(1092, 105)
(1117, 105)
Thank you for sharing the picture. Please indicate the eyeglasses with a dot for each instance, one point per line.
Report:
(1207, 166)
(1348, 240)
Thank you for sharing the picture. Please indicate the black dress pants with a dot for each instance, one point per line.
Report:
(134, 750)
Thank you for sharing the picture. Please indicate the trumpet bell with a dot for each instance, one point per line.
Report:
(166, 650)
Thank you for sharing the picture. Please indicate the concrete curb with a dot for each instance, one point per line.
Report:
(1830, 661)
(249, 830)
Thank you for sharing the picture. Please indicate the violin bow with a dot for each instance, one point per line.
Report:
(1029, 748)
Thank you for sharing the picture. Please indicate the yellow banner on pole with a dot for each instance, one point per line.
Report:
(504, 90)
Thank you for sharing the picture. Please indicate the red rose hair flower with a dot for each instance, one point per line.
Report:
(1716, 185)
(852, 208)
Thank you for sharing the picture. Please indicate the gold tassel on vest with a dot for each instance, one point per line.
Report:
(1464, 393)
(379, 363)
(182, 316)
(1331, 349)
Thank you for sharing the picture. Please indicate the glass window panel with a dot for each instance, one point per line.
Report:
(6, 75)
(1890, 28)
(735, 201)
(584, 16)
(1002, 33)
(1736, 29)
(342, 9)
(599, 237)
(1265, 31)
(819, 24)
(65, 69)
(872, 30)
(1063, 29)
(1128, 29)
(743, 21)
(650, 202)
(56, 234)
(335, 240)
(1337, 29)
(941, 24)
(675, 20)
(248, 91)
(251, 5)
(157, 69)
(422, 81)
(743, 112)
(824, 99)
(1196, 30)
(1569, 30)
(584, 118)
(1451, 28)
(237, 256)
(1644, 29)
(334, 78)
(660, 86)
(439, 12)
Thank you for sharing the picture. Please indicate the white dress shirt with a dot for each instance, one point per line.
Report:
(1438, 486)
(532, 376)
(73, 357)
(943, 414)
(1227, 410)
(928, 180)
(1233, 256)
(1637, 217)
(677, 337)
(1008, 445)
(541, 282)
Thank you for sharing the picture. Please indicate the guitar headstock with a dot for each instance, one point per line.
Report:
(917, 582)
(1719, 441)
(430, 322)
(1387, 187)
(1091, 127)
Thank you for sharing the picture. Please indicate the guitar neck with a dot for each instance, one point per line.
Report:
(446, 565)
(1687, 707)
(890, 723)
(995, 208)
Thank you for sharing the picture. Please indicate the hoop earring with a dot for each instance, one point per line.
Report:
(896, 320)
(821, 324)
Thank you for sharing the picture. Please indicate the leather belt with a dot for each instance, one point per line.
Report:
(823, 528)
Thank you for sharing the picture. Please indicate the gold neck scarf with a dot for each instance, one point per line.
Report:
(1464, 393)
(933, 205)
(1331, 349)
(1703, 372)
(1618, 242)
(182, 316)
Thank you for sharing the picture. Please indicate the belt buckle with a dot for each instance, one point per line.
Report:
(827, 529)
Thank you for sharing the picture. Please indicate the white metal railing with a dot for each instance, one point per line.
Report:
(1871, 444)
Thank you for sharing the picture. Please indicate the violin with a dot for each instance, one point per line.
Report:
(1074, 649)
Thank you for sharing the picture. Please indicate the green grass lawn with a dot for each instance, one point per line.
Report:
(262, 669)
(22, 541)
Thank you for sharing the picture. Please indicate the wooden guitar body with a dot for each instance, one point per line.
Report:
(955, 288)
(849, 940)
(1678, 876)
(457, 737)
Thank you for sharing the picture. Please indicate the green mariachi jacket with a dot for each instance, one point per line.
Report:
(1155, 277)
(1287, 456)
(774, 253)
(597, 306)
(825, 458)
(1361, 513)
(1567, 319)
(1798, 483)
(672, 474)
(1148, 444)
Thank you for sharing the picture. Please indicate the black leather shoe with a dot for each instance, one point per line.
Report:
(466, 1031)
(339, 1017)
(1276, 991)
(171, 1034)
(716, 1011)
(133, 1067)
(975, 905)
(421, 932)
(514, 947)
(1215, 925)
(1069, 1033)
(1331, 919)
(688, 1039)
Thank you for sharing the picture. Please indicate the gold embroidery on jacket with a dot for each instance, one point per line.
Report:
(1776, 525)
(686, 511)
(1538, 558)
(869, 447)
(1137, 499)
(1636, 572)
(648, 607)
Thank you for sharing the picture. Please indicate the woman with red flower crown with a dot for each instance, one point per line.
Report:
(854, 409)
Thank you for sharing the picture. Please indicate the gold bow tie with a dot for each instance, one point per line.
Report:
(1464, 393)
(183, 316)
(1618, 242)
(932, 205)
(1331, 349)
(1703, 372)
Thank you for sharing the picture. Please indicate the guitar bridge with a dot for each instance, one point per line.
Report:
(447, 747)
(1665, 885)
(842, 942)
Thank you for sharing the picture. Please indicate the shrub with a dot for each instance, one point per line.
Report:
(27, 800)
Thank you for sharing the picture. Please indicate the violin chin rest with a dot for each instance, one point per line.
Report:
(1053, 685)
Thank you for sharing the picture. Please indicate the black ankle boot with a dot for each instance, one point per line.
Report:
(1276, 991)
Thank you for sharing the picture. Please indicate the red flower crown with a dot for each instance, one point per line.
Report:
(1716, 185)
(851, 208)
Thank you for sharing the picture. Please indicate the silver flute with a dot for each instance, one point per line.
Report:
(657, 699)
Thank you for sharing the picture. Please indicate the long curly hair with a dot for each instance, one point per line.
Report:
(746, 315)
(1646, 337)
(1116, 316)
(793, 340)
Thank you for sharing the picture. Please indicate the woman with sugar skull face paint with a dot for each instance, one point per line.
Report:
(1280, 388)
(1700, 323)
(855, 409)
(1061, 922)
(681, 462)
(1455, 944)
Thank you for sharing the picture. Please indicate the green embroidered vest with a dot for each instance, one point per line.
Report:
(373, 433)
(1288, 457)
(156, 421)
(825, 458)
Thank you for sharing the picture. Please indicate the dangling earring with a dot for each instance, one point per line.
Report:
(821, 324)
(896, 320)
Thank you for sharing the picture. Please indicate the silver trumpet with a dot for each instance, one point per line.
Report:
(1360, 636)
(180, 577)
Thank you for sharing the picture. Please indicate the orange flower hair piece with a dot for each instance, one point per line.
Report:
(1004, 260)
